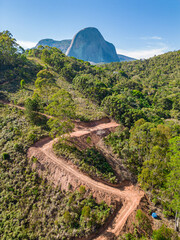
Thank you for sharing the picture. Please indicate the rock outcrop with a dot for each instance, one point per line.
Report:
(89, 45)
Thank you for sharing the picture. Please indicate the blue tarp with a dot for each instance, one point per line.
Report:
(154, 215)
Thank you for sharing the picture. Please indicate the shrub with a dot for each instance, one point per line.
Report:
(18, 147)
(22, 83)
(88, 140)
(32, 137)
(5, 156)
(67, 217)
(164, 233)
(34, 159)
(69, 186)
(89, 160)
(82, 189)
(143, 222)
(86, 211)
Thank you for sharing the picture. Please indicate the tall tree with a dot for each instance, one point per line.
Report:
(45, 83)
(9, 49)
(62, 107)
(173, 179)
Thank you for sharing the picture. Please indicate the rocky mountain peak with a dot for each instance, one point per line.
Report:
(89, 45)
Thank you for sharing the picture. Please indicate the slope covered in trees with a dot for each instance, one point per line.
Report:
(30, 207)
(14, 66)
(143, 96)
(147, 90)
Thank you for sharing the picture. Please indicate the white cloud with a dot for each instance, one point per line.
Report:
(26, 44)
(141, 54)
(151, 38)
(157, 38)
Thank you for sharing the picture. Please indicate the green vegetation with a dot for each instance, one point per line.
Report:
(164, 233)
(143, 225)
(14, 66)
(23, 74)
(143, 96)
(151, 151)
(142, 230)
(22, 83)
(63, 109)
(45, 84)
(5, 156)
(127, 91)
(32, 106)
(90, 161)
(30, 207)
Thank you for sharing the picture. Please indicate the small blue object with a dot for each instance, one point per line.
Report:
(154, 215)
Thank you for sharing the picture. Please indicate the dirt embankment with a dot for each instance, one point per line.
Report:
(65, 174)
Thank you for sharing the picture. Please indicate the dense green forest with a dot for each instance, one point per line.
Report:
(143, 96)
(152, 152)
(129, 91)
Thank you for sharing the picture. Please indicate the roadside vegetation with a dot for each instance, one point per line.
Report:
(90, 161)
(142, 230)
(30, 207)
(151, 151)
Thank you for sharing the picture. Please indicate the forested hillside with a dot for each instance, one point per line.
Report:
(143, 96)
(31, 208)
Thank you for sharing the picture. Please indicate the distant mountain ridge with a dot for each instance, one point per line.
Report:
(62, 45)
(123, 58)
(88, 45)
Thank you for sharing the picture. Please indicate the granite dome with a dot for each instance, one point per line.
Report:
(89, 45)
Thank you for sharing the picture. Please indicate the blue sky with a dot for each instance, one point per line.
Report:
(137, 28)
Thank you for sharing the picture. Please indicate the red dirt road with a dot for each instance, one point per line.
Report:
(22, 108)
(130, 196)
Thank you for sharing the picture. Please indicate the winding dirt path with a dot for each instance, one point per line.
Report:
(23, 108)
(130, 196)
